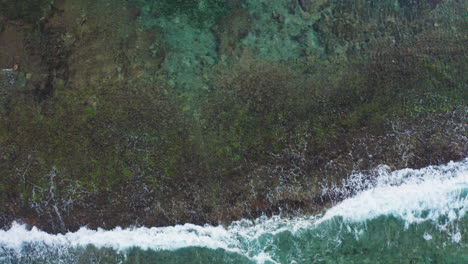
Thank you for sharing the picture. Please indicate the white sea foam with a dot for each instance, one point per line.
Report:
(162, 238)
(411, 195)
(427, 236)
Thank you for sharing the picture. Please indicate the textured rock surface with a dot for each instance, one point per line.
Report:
(165, 112)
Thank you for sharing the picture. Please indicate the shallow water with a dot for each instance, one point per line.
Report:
(407, 216)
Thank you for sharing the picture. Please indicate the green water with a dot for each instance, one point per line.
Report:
(382, 240)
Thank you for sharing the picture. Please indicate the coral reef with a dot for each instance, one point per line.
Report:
(164, 112)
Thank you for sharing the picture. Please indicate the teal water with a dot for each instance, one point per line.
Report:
(407, 216)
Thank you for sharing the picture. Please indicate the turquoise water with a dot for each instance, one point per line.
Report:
(407, 216)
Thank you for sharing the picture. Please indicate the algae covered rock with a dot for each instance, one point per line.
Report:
(280, 31)
(199, 12)
(28, 11)
(207, 111)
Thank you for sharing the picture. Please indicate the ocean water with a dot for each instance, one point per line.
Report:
(406, 216)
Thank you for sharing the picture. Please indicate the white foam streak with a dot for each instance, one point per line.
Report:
(163, 238)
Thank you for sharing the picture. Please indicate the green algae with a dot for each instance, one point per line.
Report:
(171, 109)
(199, 12)
(29, 11)
(281, 31)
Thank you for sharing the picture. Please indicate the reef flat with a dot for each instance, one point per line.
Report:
(155, 113)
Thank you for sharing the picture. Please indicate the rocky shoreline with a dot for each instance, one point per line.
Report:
(158, 113)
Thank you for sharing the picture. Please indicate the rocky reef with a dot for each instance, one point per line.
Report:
(155, 113)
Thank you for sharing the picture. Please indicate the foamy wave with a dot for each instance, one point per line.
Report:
(162, 238)
(414, 196)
